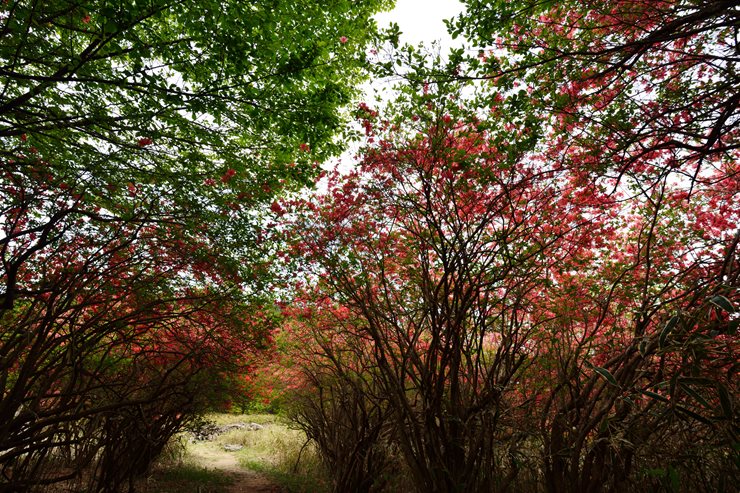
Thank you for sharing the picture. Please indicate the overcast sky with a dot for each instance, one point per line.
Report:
(421, 20)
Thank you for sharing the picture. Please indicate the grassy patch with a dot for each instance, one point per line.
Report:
(187, 477)
(293, 482)
(227, 419)
(274, 451)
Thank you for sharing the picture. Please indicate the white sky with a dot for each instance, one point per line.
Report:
(421, 20)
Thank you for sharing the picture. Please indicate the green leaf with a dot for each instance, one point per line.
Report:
(694, 394)
(628, 400)
(669, 326)
(722, 303)
(604, 373)
(655, 395)
(691, 414)
(697, 381)
(643, 347)
(674, 478)
(110, 27)
(725, 400)
(733, 326)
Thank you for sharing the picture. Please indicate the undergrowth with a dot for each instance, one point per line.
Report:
(275, 450)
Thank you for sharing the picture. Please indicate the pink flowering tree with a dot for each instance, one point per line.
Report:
(434, 248)
(637, 100)
(529, 321)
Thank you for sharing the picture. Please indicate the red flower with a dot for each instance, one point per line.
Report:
(275, 207)
(228, 175)
(343, 39)
(145, 141)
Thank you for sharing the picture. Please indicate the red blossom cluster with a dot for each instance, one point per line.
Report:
(523, 288)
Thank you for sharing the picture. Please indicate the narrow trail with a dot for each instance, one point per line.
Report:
(245, 481)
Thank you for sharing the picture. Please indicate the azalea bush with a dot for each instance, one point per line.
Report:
(536, 273)
(333, 373)
(522, 327)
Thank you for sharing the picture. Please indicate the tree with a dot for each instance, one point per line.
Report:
(139, 144)
(639, 88)
(436, 246)
(112, 339)
(529, 327)
(336, 394)
(201, 119)
(639, 98)
(637, 355)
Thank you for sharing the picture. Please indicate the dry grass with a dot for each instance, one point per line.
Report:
(273, 451)
(187, 474)
(279, 452)
(227, 419)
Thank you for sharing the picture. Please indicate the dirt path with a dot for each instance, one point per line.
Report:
(245, 481)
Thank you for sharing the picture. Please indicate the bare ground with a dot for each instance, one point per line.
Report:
(245, 481)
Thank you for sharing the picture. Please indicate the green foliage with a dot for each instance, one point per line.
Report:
(202, 109)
